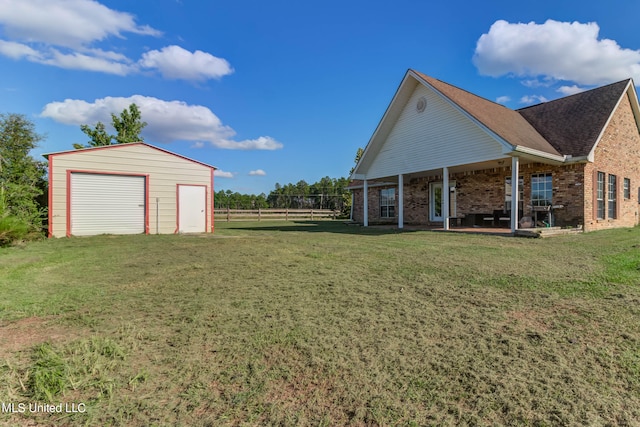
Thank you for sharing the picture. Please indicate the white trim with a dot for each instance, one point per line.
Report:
(400, 201)
(515, 192)
(431, 209)
(445, 197)
(538, 153)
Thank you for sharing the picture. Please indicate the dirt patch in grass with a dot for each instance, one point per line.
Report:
(30, 331)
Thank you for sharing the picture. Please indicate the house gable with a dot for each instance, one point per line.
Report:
(408, 140)
(438, 136)
(455, 128)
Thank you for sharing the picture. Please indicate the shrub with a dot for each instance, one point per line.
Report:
(12, 229)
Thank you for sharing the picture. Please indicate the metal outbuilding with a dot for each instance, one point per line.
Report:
(128, 189)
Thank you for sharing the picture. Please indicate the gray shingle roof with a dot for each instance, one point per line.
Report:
(573, 124)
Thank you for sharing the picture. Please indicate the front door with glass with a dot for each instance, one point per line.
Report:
(436, 198)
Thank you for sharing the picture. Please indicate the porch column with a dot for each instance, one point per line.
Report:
(366, 204)
(445, 197)
(515, 192)
(400, 201)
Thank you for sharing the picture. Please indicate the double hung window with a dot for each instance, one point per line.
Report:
(600, 195)
(387, 203)
(612, 202)
(627, 188)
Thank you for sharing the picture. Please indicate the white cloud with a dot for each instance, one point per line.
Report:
(261, 143)
(218, 173)
(535, 83)
(63, 33)
(80, 61)
(555, 50)
(570, 90)
(18, 50)
(174, 62)
(258, 172)
(68, 23)
(167, 121)
(533, 99)
(503, 99)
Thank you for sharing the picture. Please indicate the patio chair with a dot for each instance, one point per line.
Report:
(489, 218)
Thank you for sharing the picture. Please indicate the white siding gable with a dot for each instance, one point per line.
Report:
(439, 136)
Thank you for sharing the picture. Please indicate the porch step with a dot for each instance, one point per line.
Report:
(546, 232)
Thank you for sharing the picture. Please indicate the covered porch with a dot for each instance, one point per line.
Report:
(480, 197)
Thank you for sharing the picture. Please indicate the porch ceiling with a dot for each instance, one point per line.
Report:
(504, 162)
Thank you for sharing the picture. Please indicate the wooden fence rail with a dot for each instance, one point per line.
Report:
(273, 214)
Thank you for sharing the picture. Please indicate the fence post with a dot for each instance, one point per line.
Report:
(334, 214)
(228, 214)
(259, 214)
(286, 214)
(311, 214)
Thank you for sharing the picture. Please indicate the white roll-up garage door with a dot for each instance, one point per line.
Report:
(107, 204)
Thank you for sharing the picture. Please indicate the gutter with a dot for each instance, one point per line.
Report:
(533, 152)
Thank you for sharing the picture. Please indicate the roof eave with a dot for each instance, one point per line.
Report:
(102, 147)
(541, 154)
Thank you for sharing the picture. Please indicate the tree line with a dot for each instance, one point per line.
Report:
(327, 193)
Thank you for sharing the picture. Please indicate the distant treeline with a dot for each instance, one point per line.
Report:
(328, 193)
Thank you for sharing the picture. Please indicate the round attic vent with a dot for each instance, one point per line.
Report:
(421, 104)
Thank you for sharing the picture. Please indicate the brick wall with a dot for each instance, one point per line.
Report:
(617, 153)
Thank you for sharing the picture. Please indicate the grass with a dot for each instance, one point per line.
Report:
(323, 324)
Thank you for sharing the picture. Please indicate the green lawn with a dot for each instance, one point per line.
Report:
(323, 324)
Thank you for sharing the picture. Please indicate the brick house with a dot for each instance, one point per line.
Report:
(576, 160)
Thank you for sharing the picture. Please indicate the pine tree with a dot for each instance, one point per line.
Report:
(128, 126)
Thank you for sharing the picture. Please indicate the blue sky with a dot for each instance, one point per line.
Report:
(279, 91)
